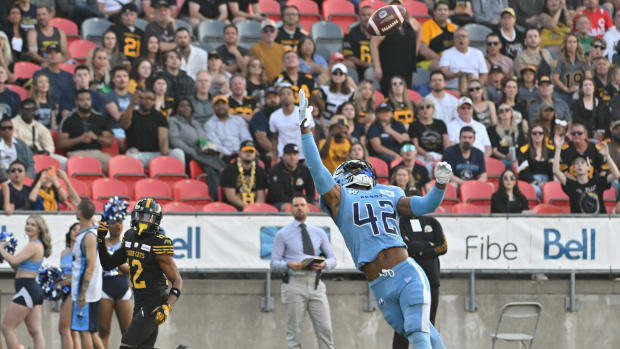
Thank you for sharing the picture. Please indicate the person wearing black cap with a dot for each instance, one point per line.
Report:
(163, 26)
(226, 131)
(495, 88)
(234, 57)
(60, 80)
(129, 37)
(545, 95)
(259, 124)
(385, 135)
(243, 181)
(45, 35)
(289, 177)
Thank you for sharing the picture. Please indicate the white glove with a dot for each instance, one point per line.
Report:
(305, 113)
(443, 172)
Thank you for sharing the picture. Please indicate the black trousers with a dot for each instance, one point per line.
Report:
(400, 341)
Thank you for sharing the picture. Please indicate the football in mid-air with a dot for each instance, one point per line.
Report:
(387, 20)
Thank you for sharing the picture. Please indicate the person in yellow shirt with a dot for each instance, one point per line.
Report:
(268, 50)
(437, 33)
(335, 148)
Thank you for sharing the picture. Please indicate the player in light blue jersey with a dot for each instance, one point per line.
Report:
(367, 215)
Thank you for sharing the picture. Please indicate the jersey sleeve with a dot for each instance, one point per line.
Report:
(163, 246)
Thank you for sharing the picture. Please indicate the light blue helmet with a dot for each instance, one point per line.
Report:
(355, 172)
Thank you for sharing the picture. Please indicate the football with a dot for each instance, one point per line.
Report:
(387, 20)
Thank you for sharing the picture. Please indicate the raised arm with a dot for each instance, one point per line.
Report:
(614, 173)
(108, 261)
(559, 142)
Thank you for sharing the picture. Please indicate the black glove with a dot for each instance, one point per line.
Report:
(102, 231)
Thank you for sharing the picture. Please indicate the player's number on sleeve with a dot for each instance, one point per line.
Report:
(372, 219)
(136, 274)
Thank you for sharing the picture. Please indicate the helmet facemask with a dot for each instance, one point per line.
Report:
(355, 172)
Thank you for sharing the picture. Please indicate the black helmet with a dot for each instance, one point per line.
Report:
(146, 216)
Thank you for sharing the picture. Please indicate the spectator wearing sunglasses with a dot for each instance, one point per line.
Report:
(269, 51)
(495, 57)
(508, 197)
(597, 48)
(580, 146)
(534, 165)
(15, 193)
(505, 136)
(419, 173)
(12, 149)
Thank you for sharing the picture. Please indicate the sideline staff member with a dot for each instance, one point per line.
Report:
(301, 289)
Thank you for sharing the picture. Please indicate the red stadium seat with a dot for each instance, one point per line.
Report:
(167, 169)
(379, 98)
(80, 49)
(178, 207)
(82, 189)
(529, 192)
(609, 197)
(218, 207)
(260, 207)
(269, 8)
(340, 12)
(441, 209)
(42, 162)
(196, 172)
(494, 170)
(453, 92)
(113, 149)
(308, 12)
(191, 192)
(414, 96)
(550, 209)
(21, 92)
(553, 194)
(69, 68)
(153, 188)
(84, 168)
(374, 4)
(127, 170)
(477, 193)
(381, 169)
(464, 208)
(450, 197)
(106, 188)
(417, 9)
(25, 70)
(314, 208)
(67, 26)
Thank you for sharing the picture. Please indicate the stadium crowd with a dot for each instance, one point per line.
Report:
(152, 103)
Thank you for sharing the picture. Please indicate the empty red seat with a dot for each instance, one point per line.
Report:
(553, 194)
(80, 49)
(379, 98)
(340, 12)
(609, 197)
(167, 169)
(550, 209)
(495, 168)
(417, 9)
(25, 70)
(529, 192)
(21, 92)
(106, 188)
(192, 192)
(68, 26)
(81, 188)
(178, 207)
(113, 149)
(218, 207)
(69, 68)
(126, 169)
(450, 197)
(269, 8)
(374, 4)
(414, 96)
(381, 169)
(477, 193)
(308, 12)
(196, 172)
(43, 162)
(84, 168)
(259, 207)
(154, 189)
(465, 208)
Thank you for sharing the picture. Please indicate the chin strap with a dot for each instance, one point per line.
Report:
(142, 227)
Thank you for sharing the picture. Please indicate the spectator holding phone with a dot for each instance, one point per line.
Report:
(47, 194)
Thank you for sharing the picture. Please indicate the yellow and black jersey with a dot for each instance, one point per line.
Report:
(402, 113)
(438, 38)
(304, 81)
(245, 107)
(596, 161)
(288, 40)
(129, 41)
(357, 44)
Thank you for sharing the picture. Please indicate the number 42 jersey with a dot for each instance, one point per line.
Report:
(368, 221)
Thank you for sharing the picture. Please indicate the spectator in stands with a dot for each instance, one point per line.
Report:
(240, 103)
(495, 57)
(283, 123)
(585, 192)
(461, 12)
(32, 132)
(582, 30)
(494, 89)
(293, 75)
(528, 91)
(356, 42)
(112, 9)
(510, 37)
(240, 10)
(336, 91)
(466, 160)
(489, 12)
(358, 151)
(180, 84)
(152, 52)
(163, 101)
(310, 62)
(81, 80)
(318, 110)
(44, 35)
(484, 110)
(508, 197)
(99, 67)
(400, 101)
(243, 181)
(534, 165)
(201, 101)
(462, 60)
(226, 131)
(234, 57)
(11, 148)
(9, 100)
(268, 50)
(429, 134)
(364, 102)
(437, 34)
(59, 79)
(401, 177)
(396, 53)
(597, 49)
(85, 132)
(120, 96)
(16, 34)
(505, 136)
(545, 95)
(570, 69)
(445, 103)
(29, 14)
(255, 77)
(600, 20)
(201, 10)
(215, 67)
(193, 59)
(510, 96)
(147, 130)
(259, 124)
(465, 118)
(141, 72)
(15, 192)
(334, 149)
(291, 32)
(289, 177)
(534, 55)
(163, 26)
(556, 21)
(112, 49)
(47, 106)
(612, 36)
(580, 146)
(601, 77)
(356, 130)
(149, 12)
(129, 36)
(188, 134)
(386, 135)
(527, 11)
(418, 172)
(47, 194)
(591, 110)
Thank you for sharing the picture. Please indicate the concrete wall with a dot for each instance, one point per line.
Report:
(225, 314)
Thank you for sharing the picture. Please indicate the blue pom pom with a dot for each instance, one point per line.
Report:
(49, 279)
(115, 210)
(11, 243)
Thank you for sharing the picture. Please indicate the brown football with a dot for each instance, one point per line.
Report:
(387, 20)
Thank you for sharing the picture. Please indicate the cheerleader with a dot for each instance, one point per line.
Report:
(68, 339)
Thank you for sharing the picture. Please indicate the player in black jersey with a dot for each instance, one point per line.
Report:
(149, 255)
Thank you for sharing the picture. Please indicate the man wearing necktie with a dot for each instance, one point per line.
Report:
(302, 288)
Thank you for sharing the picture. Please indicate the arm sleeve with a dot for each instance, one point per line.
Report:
(165, 248)
(277, 255)
(320, 175)
(428, 203)
(111, 261)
